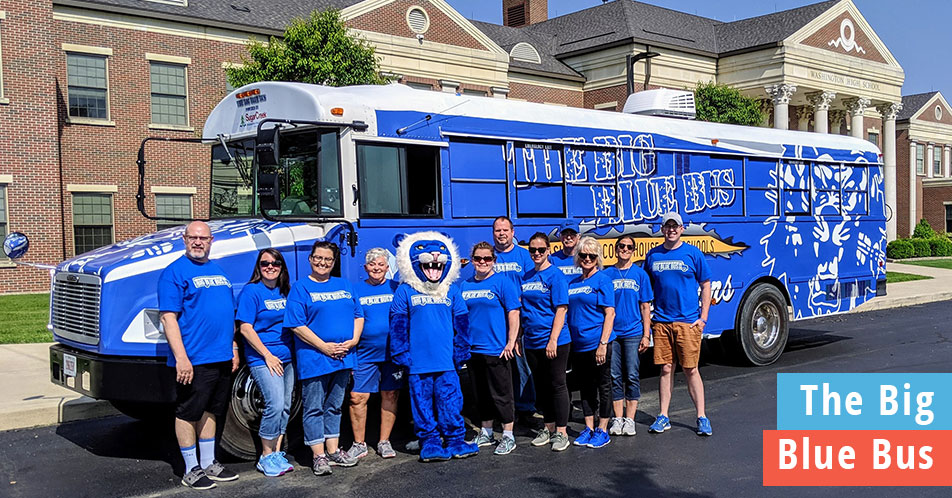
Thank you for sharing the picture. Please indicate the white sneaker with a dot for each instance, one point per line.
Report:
(616, 426)
(628, 427)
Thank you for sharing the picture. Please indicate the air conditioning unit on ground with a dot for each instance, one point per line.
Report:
(662, 102)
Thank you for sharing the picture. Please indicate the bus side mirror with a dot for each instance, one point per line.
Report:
(15, 245)
(267, 146)
(269, 191)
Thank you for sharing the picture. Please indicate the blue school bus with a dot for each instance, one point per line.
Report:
(792, 223)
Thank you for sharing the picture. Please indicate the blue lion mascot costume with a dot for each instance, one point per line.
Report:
(429, 335)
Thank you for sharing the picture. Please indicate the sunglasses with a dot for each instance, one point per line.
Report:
(265, 264)
(483, 259)
(588, 255)
(538, 250)
(630, 247)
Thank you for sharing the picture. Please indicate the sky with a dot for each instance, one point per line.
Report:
(915, 35)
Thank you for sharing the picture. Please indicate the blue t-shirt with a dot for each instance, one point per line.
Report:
(542, 292)
(675, 278)
(513, 264)
(587, 297)
(201, 294)
(565, 263)
(430, 327)
(328, 309)
(375, 300)
(263, 308)
(632, 288)
(489, 302)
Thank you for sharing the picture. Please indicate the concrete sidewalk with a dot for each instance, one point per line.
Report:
(29, 399)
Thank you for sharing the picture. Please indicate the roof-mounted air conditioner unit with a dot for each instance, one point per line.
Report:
(662, 102)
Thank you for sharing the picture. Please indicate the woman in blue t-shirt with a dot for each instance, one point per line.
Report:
(545, 301)
(268, 353)
(493, 303)
(327, 320)
(633, 298)
(591, 318)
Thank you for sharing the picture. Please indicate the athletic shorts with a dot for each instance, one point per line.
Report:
(372, 377)
(209, 392)
(676, 339)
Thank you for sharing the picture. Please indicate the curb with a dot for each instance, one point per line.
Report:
(46, 411)
(899, 302)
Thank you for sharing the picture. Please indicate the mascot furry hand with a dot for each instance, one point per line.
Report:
(429, 334)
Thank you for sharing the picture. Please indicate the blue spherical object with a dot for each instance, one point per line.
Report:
(16, 245)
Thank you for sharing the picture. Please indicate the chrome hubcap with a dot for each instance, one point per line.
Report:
(765, 324)
(247, 403)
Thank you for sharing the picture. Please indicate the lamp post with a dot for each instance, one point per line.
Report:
(630, 61)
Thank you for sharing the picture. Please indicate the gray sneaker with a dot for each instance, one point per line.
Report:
(505, 446)
(560, 442)
(484, 439)
(616, 426)
(358, 451)
(413, 446)
(196, 479)
(385, 449)
(342, 459)
(322, 466)
(218, 472)
(542, 438)
(628, 428)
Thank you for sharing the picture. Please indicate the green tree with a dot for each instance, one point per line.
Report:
(723, 104)
(316, 49)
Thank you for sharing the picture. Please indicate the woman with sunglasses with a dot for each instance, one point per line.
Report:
(327, 320)
(493, 303)
(591, 319)
(545, 300)
(633, 298)
(268, 353)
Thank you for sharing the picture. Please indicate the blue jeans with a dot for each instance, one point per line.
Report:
(625, 365)
(522, 383)
(323, 396)
(276, 390)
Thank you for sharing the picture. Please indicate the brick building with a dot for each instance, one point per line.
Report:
(924, 141)
(82, 82)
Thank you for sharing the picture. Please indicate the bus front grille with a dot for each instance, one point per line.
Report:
(74, 307)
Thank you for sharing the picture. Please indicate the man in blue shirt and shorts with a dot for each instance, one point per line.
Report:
(679, 274)
(197, 310)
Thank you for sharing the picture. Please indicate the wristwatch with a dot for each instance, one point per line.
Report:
(603, 343)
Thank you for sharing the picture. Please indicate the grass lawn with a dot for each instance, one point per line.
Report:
(23, 319)
(894, 277)
(933, 263)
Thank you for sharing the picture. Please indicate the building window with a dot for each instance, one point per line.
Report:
(87, 86)
(516, 15)
(920, 159)
(169, 96)
(948, 218)
(3, 15)
(478, 93)
(92, 221)
(3, 216)
(873, 137)
(419, 86)
(172, 206)
(937, 161)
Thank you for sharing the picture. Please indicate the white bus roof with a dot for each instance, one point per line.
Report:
(241, 111)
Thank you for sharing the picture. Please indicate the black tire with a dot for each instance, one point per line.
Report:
(762, 326)
(239, 436)
(146, 412)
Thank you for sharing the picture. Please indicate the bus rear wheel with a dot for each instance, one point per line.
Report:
(762, 325)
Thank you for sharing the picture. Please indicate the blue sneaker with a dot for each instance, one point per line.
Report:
(584, 438)
(660, 424)
(599, 439)
(282, 457)
(270, 465)
(704, 427)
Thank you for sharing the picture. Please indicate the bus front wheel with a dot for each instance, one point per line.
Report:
(239, 436)
(762, 325)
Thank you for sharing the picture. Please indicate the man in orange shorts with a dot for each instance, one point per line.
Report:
(678, 272)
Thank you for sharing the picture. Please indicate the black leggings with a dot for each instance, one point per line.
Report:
(493, 378)
(552, 392)
(595, 382)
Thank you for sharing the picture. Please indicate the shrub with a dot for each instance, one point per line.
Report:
(923, 230)
(940, 247)
(900, 249)
(921, 248)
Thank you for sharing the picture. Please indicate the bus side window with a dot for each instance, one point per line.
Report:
(398, 180)
(826, 181)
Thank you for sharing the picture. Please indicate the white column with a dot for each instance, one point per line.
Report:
(500, 92)
(930, 148)
(780, 95)
(803, 118)
(449, 86)
(821, 107)
(856, 106)
(889, 112)
(836, 121)
(948, 167)
(912, 187)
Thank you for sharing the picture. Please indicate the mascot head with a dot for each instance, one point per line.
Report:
(429, 262)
